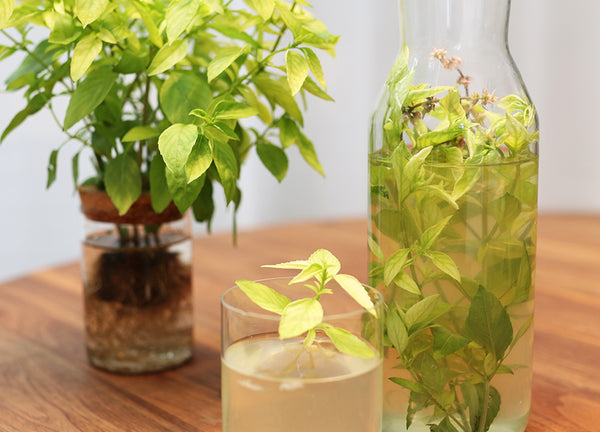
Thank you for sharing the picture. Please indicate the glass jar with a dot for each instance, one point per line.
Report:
(453, 168)
(137, 285)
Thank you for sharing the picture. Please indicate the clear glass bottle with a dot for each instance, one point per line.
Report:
(453, 167)
(137, 285)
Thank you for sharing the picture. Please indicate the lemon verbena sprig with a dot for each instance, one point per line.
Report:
(305, 315)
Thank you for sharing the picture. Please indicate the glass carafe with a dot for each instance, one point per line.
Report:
(453, 169)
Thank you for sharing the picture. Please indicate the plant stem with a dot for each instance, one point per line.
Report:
(486, 404)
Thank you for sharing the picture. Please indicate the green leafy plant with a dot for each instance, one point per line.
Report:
(305, 315)
(452, 241)
(157, 91)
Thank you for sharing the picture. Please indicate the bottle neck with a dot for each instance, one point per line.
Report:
(455, 25)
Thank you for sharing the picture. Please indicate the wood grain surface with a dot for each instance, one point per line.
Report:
(46, 383)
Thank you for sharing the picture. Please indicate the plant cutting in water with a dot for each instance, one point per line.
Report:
(305, 315)
(453, 211)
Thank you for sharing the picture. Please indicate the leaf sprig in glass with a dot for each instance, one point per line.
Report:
(305, 315)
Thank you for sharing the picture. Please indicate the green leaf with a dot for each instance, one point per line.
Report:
(516, 136)
(265, 8)
(180, 14)
(307, 150)
(175, 145)
(327, 261)
(488, 323)
(63, 28)
(416, 402)
(140, 133)
(224, 59)
(184, 193)
(308, 272)
(227, 167)
(273, 158)
(263, 296)
(444, 263)
(52, 168)
(300, 316)
(89, 11)
(84, 54)
(432, 374)
(6, 10)
(421, 312)
(431, 234)
(297, 70)
(348, 343)
(227, 110)
(289, 18)
(311, 87)
(290, 265)
(89, 93)
(168, 56)
(153, 32)
(43, 54)
(356, 290)
(123, 181)
(446, 342)
(419, 95)
(33, 106)
(278, 92)
(452, 107)
(232, 31)
(315, 66)
(476, 397)
(407, 283)
(394, 265)
(183, 92)
(159, 190)
(200, 159)
(204, 207)
(396, 330)
(407, 384)
(440, 136)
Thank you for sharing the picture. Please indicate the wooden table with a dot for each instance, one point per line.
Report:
(47, 385)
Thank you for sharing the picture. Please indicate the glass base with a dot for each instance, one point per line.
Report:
(135, 361)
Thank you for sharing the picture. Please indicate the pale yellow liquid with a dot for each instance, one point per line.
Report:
(464, 245)
(269, 385)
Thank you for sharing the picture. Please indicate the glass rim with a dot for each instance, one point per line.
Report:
(266, 315)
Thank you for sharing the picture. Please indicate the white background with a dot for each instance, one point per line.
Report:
(555, 44)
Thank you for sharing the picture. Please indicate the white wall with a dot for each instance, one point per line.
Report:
(553, 42)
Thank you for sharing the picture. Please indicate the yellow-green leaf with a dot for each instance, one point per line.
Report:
(348, 343)
(180, 14)
(223, 60)
(176, 143)
(140, 133)
(168, 56)
(356, 290)
(89, 10)
(315, 66)
(153, 32)
(264, 8)
(300, 316)
(199, 160)
(84, 54)
(264, 296)
(297, 70)
(123, 181)
(6, 10)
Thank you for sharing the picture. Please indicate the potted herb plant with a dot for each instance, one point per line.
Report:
(156, 93)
